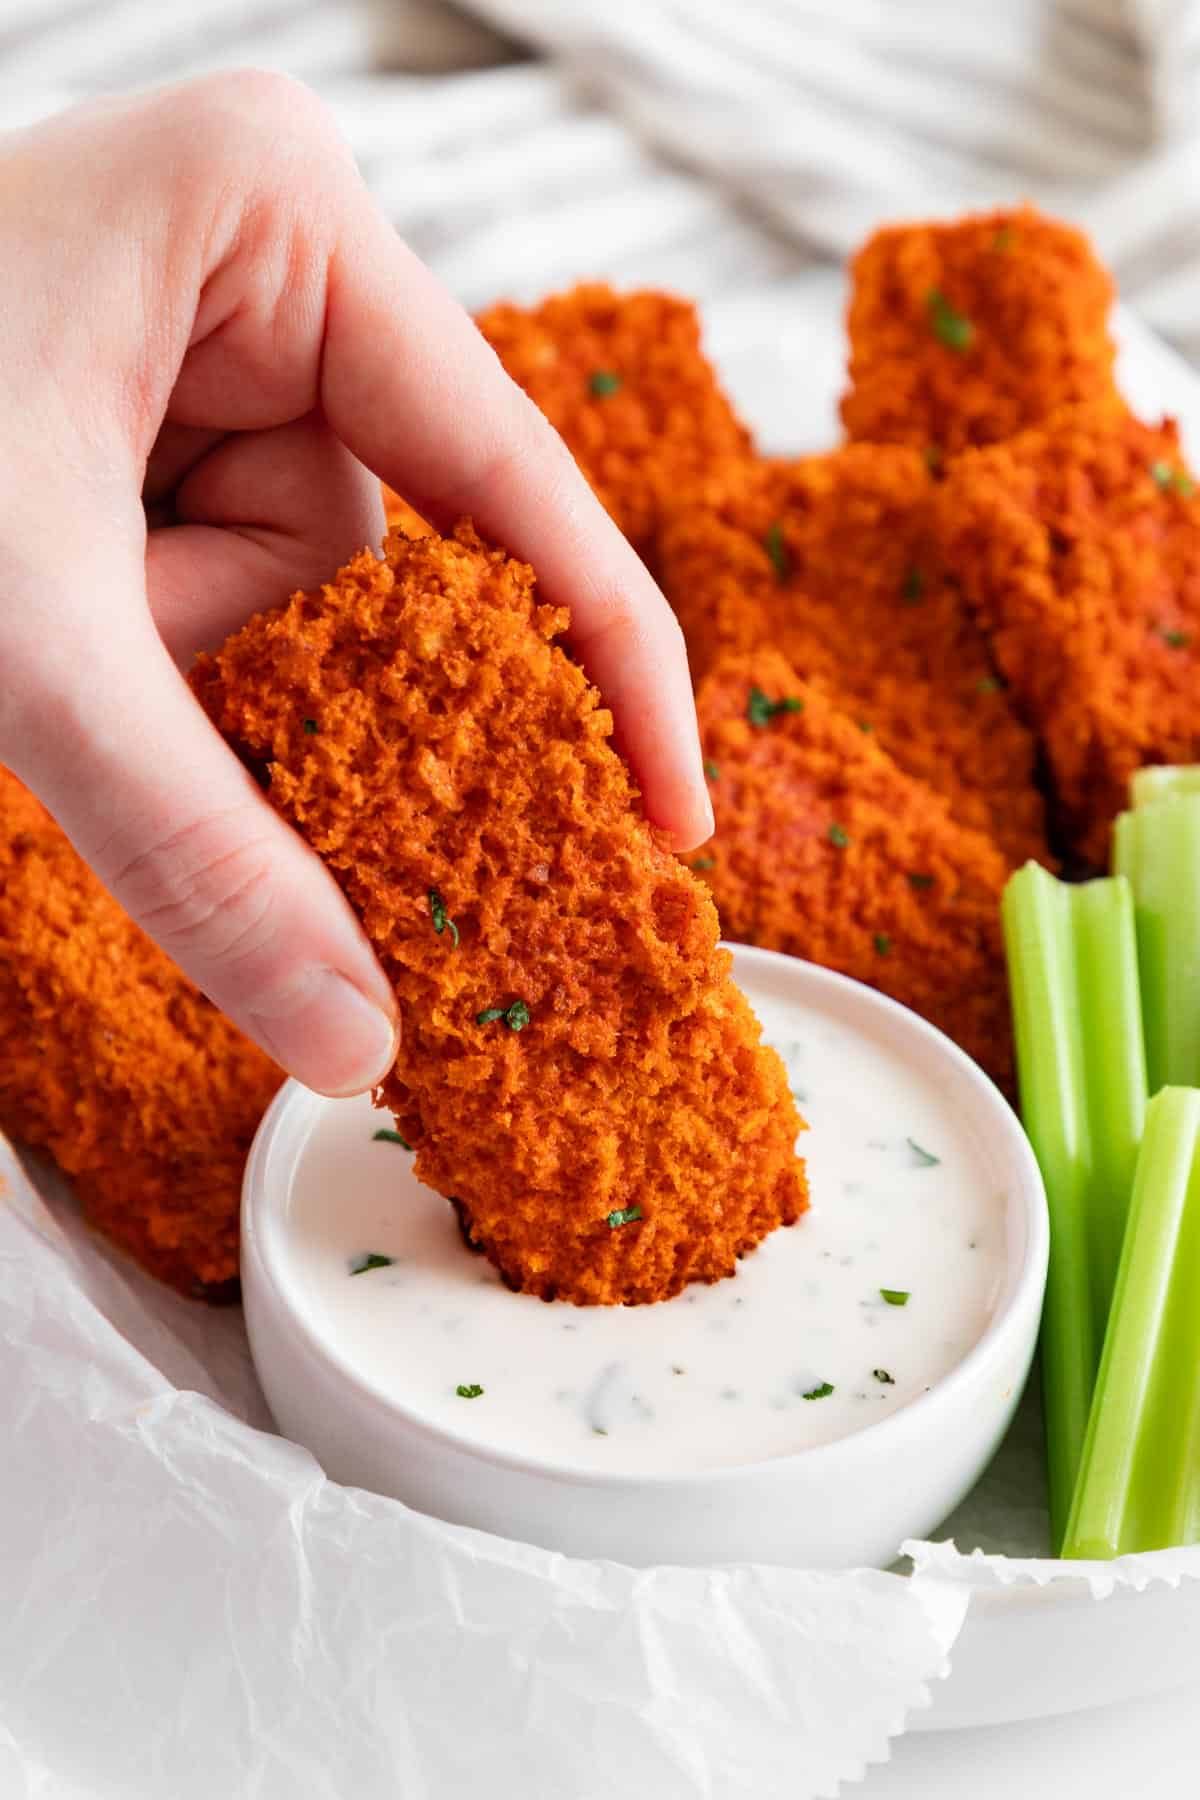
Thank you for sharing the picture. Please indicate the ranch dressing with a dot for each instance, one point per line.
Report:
(800, 1347)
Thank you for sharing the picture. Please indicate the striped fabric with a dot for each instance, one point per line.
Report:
(710, 145)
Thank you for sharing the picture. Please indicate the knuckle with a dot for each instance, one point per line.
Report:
(642, 624)
(205, 892)
(528, 458)
(238, 108)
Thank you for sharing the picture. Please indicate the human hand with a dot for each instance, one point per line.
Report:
(207, 319)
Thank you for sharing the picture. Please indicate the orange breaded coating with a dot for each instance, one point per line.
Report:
(623, 380)
(834, 561)
(1078, 545)
(967, 333)
(113, 1062)
(577, 1070)
(825, 849)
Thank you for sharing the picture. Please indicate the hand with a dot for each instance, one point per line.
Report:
(204, 313)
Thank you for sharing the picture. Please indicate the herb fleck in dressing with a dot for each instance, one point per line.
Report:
(878, 1292)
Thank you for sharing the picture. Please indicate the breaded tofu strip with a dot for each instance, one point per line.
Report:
(113, 1062)
(833, 560)
(623, 380)
(966, 333)
(577, 1070)
(1078, 545)
(825, 849)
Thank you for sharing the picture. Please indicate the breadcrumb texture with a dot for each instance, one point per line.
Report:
(112, 1061)
(825, 849)
(459, 752)
(1078, 545)
(835, 562)
(1035, 303)
(624, 381)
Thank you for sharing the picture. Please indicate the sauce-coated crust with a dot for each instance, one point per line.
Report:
(113, 1062)
(833, 560)
(965, 333)
(825, 849)
(1078, 546)
(625, 383)
(452, 748)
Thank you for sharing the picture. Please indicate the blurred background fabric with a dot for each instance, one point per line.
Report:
(713, 146)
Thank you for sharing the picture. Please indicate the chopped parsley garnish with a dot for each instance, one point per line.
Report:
(441, 918)
(516, 1016)
(372, 1260)
(882, 1375)
(917, 880)
(838, 838)
(925, 1158)
(468, 1390)
(883, 943)
(987, 684)
(1172, 481)
(311, 727)
(603, 382)
(1178, 640)
(776, 549)
(822, 1392)
(895, 1296)
(712, 771)
(384, 1136)
(1004, 238)
(760, 710)
(949, 327)
(625, 1215)
(912, 587)
(933, 458)
(704, 862)
(865, 725)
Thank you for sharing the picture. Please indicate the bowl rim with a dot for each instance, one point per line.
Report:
(1023, 1288)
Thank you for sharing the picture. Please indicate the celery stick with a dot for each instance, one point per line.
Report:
(1073, 975)
(1157, 846)
(1164, 781)
(1139, 1480)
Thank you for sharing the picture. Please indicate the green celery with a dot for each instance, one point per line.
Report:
(1139, 1480)
(1163, 781)
(1073, 975)
(1157, 847)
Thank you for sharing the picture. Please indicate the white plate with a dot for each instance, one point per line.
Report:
(1025, 1652)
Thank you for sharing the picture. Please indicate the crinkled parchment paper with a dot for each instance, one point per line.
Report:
(190, 1609)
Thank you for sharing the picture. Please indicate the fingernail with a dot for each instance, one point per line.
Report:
(327, 1033)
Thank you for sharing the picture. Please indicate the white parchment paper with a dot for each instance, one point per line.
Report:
(189, 1608)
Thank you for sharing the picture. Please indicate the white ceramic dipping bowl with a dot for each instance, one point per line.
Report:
(840, 1504)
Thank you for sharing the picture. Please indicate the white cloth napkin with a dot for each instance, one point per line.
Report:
(709, 145)
(825, 121)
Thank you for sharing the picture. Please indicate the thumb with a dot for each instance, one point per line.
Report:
(178, 831)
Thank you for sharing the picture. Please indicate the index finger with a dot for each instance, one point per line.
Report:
(410, 385)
